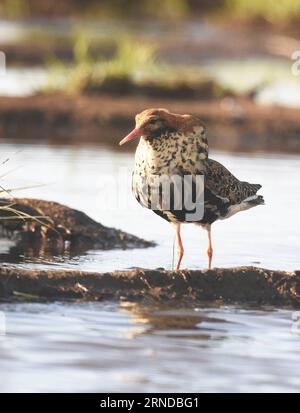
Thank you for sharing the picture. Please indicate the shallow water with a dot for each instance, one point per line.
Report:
(128, 347)
(97, 181)
(102, 347)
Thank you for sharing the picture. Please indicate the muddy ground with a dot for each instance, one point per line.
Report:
(246, 285)
(235, 124)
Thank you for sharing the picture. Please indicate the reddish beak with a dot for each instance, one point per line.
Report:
(133, 134)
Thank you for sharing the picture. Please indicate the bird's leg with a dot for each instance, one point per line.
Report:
(210, 248)
(180, 249)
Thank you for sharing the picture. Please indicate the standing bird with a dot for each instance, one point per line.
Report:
(176, 145)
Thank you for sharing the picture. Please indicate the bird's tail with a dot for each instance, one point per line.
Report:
(255, 200)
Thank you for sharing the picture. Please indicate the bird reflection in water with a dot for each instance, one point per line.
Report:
(169, 320)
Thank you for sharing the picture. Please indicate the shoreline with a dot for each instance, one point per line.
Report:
(240, 285)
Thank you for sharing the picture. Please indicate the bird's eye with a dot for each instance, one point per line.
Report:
(152, 121)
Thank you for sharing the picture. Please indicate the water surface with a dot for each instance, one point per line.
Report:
(104, 347)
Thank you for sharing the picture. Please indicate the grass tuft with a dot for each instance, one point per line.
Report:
(133, 69)
(87, 73)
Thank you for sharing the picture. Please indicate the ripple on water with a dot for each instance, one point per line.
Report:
(131, 347)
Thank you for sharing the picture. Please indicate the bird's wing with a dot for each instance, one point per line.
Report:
(222, 183)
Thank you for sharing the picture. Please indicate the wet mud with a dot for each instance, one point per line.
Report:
(244, 285)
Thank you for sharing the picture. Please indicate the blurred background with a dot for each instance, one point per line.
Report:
(228, 60)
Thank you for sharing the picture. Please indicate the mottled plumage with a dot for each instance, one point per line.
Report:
(172, 144)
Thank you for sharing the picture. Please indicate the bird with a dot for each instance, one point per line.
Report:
(171, 145)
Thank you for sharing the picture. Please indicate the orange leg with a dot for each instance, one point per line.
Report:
(180, 249)
(210, 249)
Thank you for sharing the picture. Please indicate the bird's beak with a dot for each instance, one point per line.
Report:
(133, 134)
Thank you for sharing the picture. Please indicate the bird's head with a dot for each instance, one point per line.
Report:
(152, 123)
